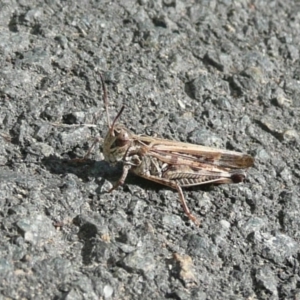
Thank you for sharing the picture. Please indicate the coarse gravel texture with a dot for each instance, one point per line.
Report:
(216, 73)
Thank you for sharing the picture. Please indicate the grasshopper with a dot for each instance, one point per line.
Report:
(170, 163)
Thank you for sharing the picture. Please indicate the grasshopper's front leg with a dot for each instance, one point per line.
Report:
(129, 161)
(121, 181)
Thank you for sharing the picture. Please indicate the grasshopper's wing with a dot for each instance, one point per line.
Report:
(186, 153)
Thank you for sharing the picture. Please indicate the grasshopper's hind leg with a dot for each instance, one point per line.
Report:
(176, 186)
(185, 207)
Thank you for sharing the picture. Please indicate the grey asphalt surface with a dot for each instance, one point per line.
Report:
(217, 73)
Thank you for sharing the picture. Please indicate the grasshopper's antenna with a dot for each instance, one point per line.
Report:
(117, 117)
(111, 126)
(105, 99)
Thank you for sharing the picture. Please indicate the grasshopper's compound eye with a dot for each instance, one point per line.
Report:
(122, 139)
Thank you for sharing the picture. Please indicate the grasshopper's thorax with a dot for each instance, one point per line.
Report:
(116, 143)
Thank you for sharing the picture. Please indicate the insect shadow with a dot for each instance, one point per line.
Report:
(100, 171)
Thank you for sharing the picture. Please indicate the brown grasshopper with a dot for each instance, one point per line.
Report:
(170, 163)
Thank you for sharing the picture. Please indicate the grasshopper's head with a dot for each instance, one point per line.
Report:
(118, 139)
(116, 143)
